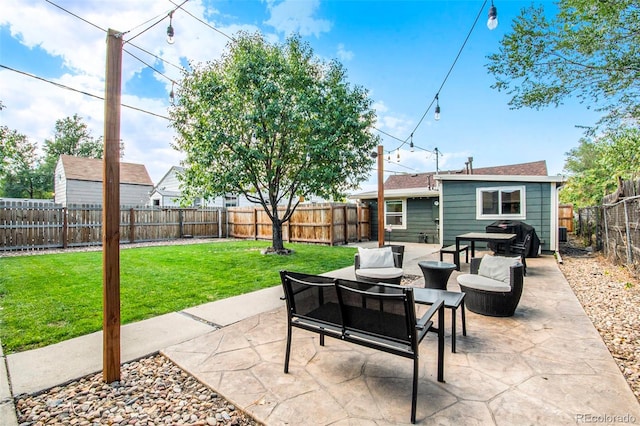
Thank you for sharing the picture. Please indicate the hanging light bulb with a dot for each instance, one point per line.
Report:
(389, 157)
(436, 116)
(170, 33)
(411, 144)
(308, 157)
(492, 23)
(171, 94)
(398, 156)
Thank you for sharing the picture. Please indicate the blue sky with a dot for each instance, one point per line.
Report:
(401, 51)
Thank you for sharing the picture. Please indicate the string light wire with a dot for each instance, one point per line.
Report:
(79, 91)
(444, 81)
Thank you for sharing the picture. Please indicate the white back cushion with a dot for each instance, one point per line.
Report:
(497, 267)
(376, 258)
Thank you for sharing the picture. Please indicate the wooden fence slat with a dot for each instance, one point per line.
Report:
(30, 226)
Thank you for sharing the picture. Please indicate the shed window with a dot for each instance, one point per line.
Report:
(395, 214)
(505, 202)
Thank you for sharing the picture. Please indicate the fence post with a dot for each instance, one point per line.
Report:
(607, 247)
(180, 223)
(132, 226)
(331, 237)
(65, 227)
(255, 223)
(628, 231)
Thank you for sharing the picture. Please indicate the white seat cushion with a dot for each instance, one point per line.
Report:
(483, 283)
(381, 257)
(380, 273)
(497, 267)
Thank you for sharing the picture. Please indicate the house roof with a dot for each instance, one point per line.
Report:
(173, 169)
(535, 168)
(90, 169)
(427, 180)
(424, 184)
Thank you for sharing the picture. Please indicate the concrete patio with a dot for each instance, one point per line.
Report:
(545, 365)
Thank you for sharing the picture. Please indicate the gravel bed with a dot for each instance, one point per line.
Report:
(154, 391)
(610, 296)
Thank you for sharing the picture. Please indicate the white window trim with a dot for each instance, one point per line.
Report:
(404, 214)
(523, 203)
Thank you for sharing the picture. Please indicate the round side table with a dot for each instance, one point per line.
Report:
(436, 273)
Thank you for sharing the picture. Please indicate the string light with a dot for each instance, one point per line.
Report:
(436, 116)
(492, 23)
(411, 144)
(170, 32)
(398, 156)
(171, 94)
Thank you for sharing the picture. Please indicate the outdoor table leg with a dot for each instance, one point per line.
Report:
(456, 255)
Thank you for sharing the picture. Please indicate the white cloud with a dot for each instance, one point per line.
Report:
(343, 54)
(291, 16)
(33, 106)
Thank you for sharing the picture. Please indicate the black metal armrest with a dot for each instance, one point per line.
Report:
(428, 316)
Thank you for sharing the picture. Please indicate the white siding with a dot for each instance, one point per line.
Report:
(83, 192)
(86, 192)
(59, 185)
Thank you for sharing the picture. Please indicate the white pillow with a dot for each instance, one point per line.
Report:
(376, 258)
(497, 267)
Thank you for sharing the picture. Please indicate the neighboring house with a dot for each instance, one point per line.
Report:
(78, 180)
(167, 193)
(440, 206)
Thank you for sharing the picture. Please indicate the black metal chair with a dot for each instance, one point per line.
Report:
(522, 249)
(383, 316)
(378, 316)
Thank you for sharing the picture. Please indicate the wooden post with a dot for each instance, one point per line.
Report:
(132, 225)
(111, 211)
(380, 196)
(255, 223)
(65, 227)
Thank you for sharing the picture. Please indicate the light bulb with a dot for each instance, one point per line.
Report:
(436, 116)
(411, 146)
(492, 23)
(170, 33)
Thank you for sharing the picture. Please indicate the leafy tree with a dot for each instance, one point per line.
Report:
(273, 123)
(72, 137)
(25, 174)
(596, 164)
(20, 176)
(590, 49)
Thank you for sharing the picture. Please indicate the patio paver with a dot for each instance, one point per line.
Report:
(545, 365)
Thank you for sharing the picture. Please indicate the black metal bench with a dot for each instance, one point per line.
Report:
(378, 316)
(452, 250)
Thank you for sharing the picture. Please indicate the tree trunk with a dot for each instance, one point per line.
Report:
(278, 244)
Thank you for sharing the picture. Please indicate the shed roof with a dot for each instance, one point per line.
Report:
(90, 169)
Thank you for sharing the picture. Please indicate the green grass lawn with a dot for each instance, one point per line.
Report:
(48, 298)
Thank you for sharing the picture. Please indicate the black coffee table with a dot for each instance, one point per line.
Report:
(452, 300)
(436, 273)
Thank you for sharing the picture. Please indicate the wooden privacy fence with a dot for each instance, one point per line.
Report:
(318, 223)
(35, 226)
(38, 226)
(565, 216)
